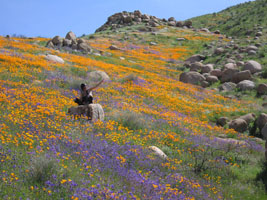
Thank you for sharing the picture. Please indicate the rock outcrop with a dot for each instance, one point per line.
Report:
(95, 112)
(239, 125)
(192, 78)
(54, 58)
(252, 66)
(158, 152)
(246, 85)
(262, 89)
(70, 42)
(122, 19)
(98, 75)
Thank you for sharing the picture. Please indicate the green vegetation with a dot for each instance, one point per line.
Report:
(240, 20)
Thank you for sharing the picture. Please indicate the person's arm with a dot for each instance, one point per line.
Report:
(92, 88)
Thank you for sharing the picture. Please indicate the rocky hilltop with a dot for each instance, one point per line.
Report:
(122, 19)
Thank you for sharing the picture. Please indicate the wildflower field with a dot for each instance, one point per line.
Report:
(45, 154)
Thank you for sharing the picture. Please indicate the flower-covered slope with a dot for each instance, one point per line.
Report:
(45, 154)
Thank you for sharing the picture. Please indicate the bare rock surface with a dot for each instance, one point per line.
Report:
(54, 58)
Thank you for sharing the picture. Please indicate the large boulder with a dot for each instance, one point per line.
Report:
(230, 142)
(50, 44)
(188, 23)
(212, 79)
(246, 85)
(67, 42)
(179, 24)
(222, 121)
(171, 19)
(240, 63)
(114, 47)
(262, 89)
(239, 125)
(153, 24)
(230, 66)
(205, 84)
(248, 117)
(207, 68)
(192, 78)
(205, 30)
(180, 39)
(172, 23)
(216, 72)
(145, 17)
(95, 112)
(57, 40)
(228, 86)
(219, 51)
(252, 48)
(252, 66)
(196, 66)
(70, 36)
(127, 19)
(230, 60)
(96, 76)
(228, 74)
(80, 40)
(138, 13)
(195, 58)
(84, 47)
(258, 34)
(54, 58)
(158, 152)
(241, 76)
(252, 53)
(261, 120)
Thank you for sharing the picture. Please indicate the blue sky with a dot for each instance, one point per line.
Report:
(48, 18)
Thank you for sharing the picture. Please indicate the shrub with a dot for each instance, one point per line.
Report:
(132, 120)
(41, 169)
(75, 84)
(128, 78)
(264, 73)
(262, 176)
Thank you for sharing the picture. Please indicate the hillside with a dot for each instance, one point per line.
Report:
(245, 19)
(47, 154)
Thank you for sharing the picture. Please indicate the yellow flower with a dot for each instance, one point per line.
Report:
(63, 181)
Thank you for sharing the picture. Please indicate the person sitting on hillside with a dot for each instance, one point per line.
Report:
(86, 94)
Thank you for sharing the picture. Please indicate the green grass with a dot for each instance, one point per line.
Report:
(235, 20)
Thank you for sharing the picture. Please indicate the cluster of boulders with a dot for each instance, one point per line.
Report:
(208, 31)
(123, 19)
(70, 43)
(232, 75)
(241, 124)
(229, 68)
(257, 32)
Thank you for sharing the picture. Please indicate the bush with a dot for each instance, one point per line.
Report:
(42, 168)
(262, 176)
(264, 73)
(129, 78)
(132, 120)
